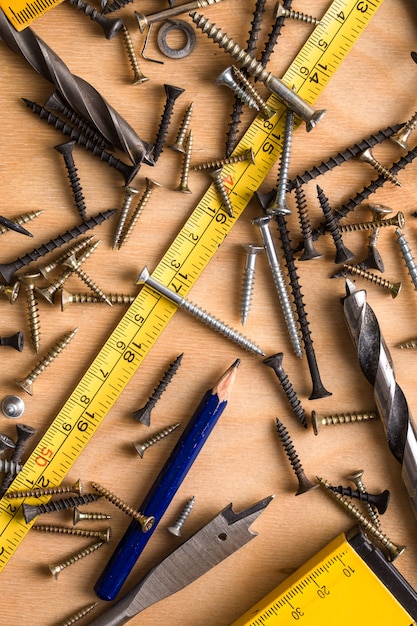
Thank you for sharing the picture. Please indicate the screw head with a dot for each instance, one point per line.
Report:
(12, 406)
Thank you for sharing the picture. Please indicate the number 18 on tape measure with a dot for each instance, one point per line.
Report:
(348, 583)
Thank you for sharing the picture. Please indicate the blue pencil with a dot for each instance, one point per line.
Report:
(166, 485)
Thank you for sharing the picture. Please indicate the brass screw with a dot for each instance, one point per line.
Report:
(228, 78)
(394, 288)
(74, 264)
(31, 511)
(356, 478)
(401, 136)
(185, 170)
(396, 220)
(339, 418)
(46, 268)
(103, 535)
(130, 192)
(11, 291)
(21, 219)
(247, 155)
(266, 110)
(80, 516)
(27, 382)
(68, 298)
(138, 76)
(150, 185)
(393, 549)
(216, 175)
(368, 157)
(37, 493)
(281, 11)
(29, 281)
(57, 569)
(146, 522)
(79, 615)
(142, 447)
(179, 144)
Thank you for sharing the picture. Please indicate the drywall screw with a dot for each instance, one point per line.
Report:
(180, 142)
(247, 155)
(279, 204)
(221, 189)
(172, 93)
(142, 447)
(74, 264)
(10, 467)
(110, 27)
(24, 433)
(318, 421)
(356, 478)
(137, 212)
(6, 444)
(48, 491)
(11, 291)
(393, 550)
(12, 406)
(185, 169)
(402, 135)
(377, 500)
(393, 288)
(304, 483)
(343, 254)
(267, 111)
(21, 219)
(8, 269)
(248, 280)
(309, 251)
(29, 281)
(176, 528)
(130, 193)
(263, 225)
(27, 382)
(396, 220)
(66, 149)
(49, 292)
(147, 20)
(252, 66)
(145, 278)
(146, 522)
(115, 5)
(227, 78)
(90, 298)
(275, 362)
(408, 257)
(57, 569)
(80, 516)
(15, 341)
(46, 268)
(127, 171)
(143, 414)
(138, 76)
(103, 535)
(79, 615)
(367, 157)
(280, 11)
(31, 511)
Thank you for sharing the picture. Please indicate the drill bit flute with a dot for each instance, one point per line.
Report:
(376, 364)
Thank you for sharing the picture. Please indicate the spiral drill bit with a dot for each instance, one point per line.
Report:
(78, 93)
(376, 364)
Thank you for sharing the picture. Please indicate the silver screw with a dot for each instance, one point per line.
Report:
(279, 204)
(176, 528)
(263, 224)
(12, 406)
(356, 478)
(408, 257)
(145, 278)
(248, 279)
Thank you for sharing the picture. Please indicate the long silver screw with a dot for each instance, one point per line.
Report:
(401, 137)
(130, 193)
(408, 257)
(176, 528)
(368, 157)
(145, 278)
(263, 225)
(279, 204)
(248, 279)
(227, 78)
(356, 478)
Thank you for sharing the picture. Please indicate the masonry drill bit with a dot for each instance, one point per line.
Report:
(376, 364)
(78, 93)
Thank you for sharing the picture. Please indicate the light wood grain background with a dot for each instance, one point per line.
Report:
(243, 461)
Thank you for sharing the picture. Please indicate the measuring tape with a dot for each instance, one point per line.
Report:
(348, 581)
(180, 267)
(21, 13)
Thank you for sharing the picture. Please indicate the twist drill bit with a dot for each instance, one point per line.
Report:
(78, 93)
(376, 364)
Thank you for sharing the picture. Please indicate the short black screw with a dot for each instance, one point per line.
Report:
(110, 27)
(343, 254)
(66, 149)
(15, 341)
(304, 483)
(172, 93)
(378, 500)
(275, 361)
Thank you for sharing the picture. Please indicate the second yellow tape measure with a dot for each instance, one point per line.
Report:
(180, 267)
(347, 582)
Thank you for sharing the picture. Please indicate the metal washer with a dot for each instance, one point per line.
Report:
(185, 28)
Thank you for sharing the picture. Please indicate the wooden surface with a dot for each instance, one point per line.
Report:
(243, 461)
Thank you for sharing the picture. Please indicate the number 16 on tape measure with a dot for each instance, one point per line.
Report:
(348, 583)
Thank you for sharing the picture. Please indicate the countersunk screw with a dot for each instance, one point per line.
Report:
(76, 487)
(26, 383)
(142, 447)
(11, 291)
(263, 225)
(248, 279)
(393, 288)
(79, 615)
(368, 157)
(281, 11)
(185, 170)
(393, 550)
(103, 535)
(74, 264)
(57, 569)
(378, 500)
(31, 511)
(374, 259)
(15, 341)
(29, 281)
(318, 421)
(145, 278)
(146, 522)
(267, 111)
(6, 444)
(216, 175)
(229, 78)
(176, 528)
(179, 144)
(143, 414)
(88, 516)
(343, 254)
(90, 298)
(402, 135)
(13, 406)
(46, 268)
(66, 149)
(275, 362)
(396, 220)
(304, 484)
(247, 155)
(138, 76)
(130, 193)
(408, 257)
(172, 93)
(110, 27)
(356, 478)
(137, 212)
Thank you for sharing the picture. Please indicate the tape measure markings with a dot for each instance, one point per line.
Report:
(179, 268)
(23, 13)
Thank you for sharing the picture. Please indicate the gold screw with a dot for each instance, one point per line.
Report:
(179, 144)
(139, 76)
(266, 110)
(74, 264)
(84, 516)
(103, 535)
(183, 186)
(247, 155)
(49, 491)
(29, 281)
(394, 288)
(367, 157)
(21, 219)
(281, 11)
(150, 185)
(400, 137)
(47, 268)
(142, 447)
(216, 175)
(79, 615)
(146, 522)
(339, 418)
(396, 220)
(11, 291)
(57, 569)
(68, 298)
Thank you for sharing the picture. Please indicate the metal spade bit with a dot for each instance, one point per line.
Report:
(220, 538)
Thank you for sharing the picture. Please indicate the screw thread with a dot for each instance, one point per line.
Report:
(280, 204)
(356, 478)
(240, 92)
(182, 132)
(394, 288)
(407, 256)
(176, 528)
(10, 467)
(261, 105)
(142, 447)
(21, 219)
(396, 220)
(368, 158)
(340, 418)
(130, 192)
(139, 76)
(110, 27)
(79, 615)
(75, 265)
(380, 501)
(33, 313)
(172, 93)
(185, 169)
(77, 247)
(235, 158)
(115, 6)
(281, 11)
(103, 535)
(30, 511)
(37, 493)
(304, 483)
(91, 298)
(275, 362)
(247, 293)
(124, 236)
(145, 522)
(57, 569)
(91, 516)
(66, 151)
(221, 189)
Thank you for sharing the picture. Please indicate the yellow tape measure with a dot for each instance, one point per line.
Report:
(21, 13)
(180, 267)
(349, 581)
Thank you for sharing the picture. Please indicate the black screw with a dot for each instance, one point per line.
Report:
(275, 361)
(24, 433)
(343, 254)
(30, 511)
(172, 94)
(115, 6)
(66, 150)
(304, 484)
(309, 251)
(109, 26)
(15, 341)
(378, 500)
